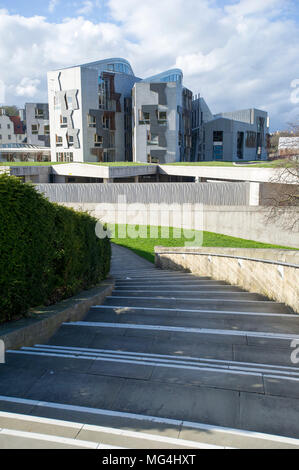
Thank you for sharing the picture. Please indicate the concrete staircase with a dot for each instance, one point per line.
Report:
(169, 361)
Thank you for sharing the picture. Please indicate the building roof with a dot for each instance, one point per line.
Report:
(19, 127)
(115, 65)
(172, 75)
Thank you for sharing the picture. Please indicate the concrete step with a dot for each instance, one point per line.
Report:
(195, 335)
(163, 277)
(197, 319)
(169, 283)
(175, 287)
(197, 304)
(31, 432)
(246, 402)
(130, 430)
(194, 294)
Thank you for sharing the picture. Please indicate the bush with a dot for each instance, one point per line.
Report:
(47, 252)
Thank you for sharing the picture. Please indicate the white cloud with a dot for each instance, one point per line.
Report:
(28, 87)
(242, 55)
(86, 8)
(52, 5)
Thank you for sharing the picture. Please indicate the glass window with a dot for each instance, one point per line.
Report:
(92, 122)
(98, 140)
(34, 129)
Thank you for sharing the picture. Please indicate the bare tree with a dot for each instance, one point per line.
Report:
(283, 195)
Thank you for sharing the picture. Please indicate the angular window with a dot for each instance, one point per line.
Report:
(92, 122)
(69, 100)
(218, 136)
(59, 141)
(218, 145)
(251, 139)
(34, 129)
(144, 118)
(240, 145)
(63, 121)
(98, 140)
(56, 102)
(39, 113)
(162, 117)
(106, 123)
(47, 129)
(70, 139)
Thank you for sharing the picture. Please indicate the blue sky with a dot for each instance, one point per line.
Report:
(235, 53)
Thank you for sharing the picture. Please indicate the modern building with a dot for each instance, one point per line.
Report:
(236, 136)
(12, 130)
(102, 112)
(91, 112)
(162, 119)
(96, 114)
(37, 124)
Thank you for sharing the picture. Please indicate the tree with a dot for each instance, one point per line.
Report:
(283, 195)
(11, 110)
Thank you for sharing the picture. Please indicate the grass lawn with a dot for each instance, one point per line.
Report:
(30, 163)
(145, 246)
(120, 164)
(254, 164)
(65, 163)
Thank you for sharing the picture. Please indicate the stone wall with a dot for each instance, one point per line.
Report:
(272, 273)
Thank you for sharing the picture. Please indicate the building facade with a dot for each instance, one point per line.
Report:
(102, 112)
(37, 124)
(236, 136)
(90, 112)
(12, 130)
(162, 119)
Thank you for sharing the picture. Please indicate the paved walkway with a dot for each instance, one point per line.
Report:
(170, 360)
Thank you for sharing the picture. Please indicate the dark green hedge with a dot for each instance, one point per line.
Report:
(47, 252)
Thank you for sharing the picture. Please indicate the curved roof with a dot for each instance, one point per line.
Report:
(117, 65)
(172, 75)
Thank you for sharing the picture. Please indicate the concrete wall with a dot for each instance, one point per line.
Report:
(230, 173)
(236, 221)
(271, 273)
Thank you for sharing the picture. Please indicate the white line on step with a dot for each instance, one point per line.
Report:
(165, 361)
(184, 330)
(166, 356)
(99, 429)
(54, 439)
(228, 312)
(150, 419)
(183, 299)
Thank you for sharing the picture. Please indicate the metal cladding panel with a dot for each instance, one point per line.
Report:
(235, 194)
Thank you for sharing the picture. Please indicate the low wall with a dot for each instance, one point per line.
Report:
(151, 193)
(43, 322)
(236, 221)
(272, 273)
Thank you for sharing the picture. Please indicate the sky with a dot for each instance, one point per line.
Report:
(235, 53)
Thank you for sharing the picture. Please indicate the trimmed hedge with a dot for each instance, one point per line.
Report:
(47, 252)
